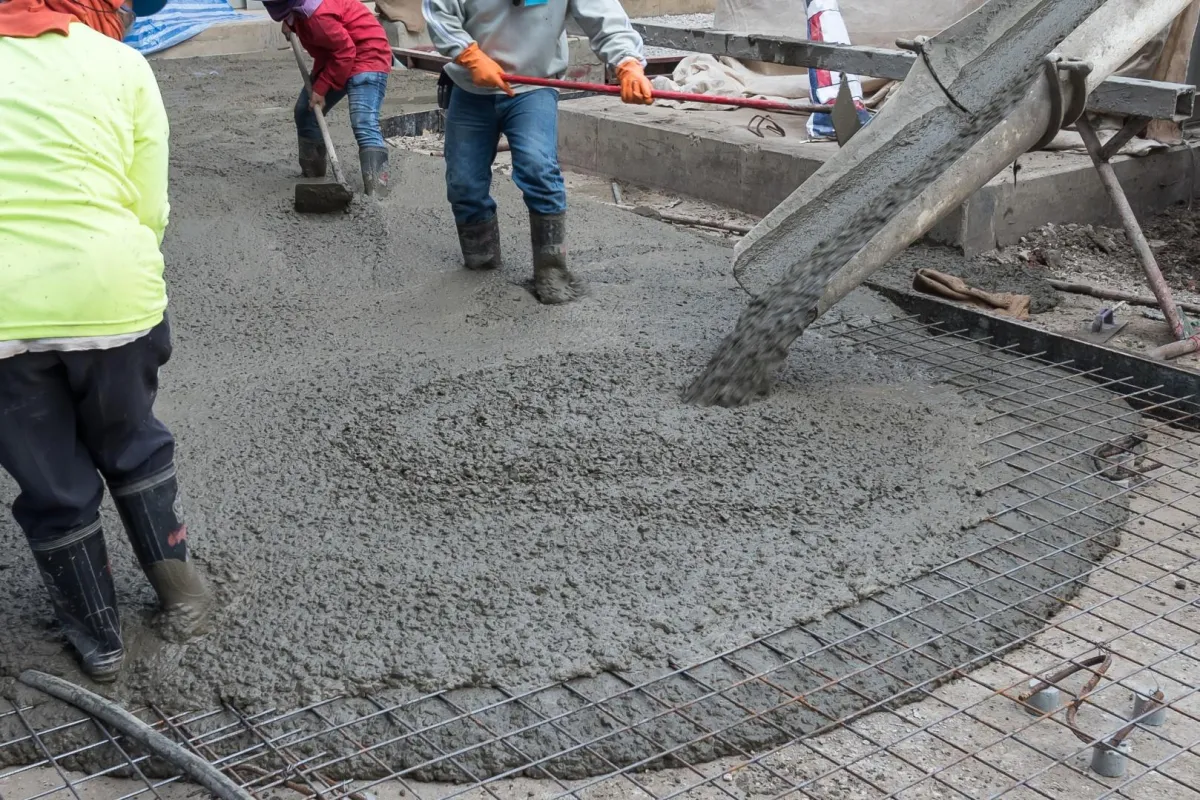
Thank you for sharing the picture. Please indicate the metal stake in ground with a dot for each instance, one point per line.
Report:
(324, 197)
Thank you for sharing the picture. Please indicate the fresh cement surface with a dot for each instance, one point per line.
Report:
(405, 477)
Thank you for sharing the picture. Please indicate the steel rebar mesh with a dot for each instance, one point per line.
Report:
(910, 693)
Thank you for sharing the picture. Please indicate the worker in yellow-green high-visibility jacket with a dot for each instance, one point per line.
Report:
(83, 332)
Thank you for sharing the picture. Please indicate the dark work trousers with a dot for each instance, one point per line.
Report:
(71, 421)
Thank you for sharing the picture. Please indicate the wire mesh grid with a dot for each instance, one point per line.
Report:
(1064, 641)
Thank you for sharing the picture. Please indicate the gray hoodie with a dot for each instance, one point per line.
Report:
(527, 39)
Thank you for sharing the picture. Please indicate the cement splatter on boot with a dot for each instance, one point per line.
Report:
(153, 516)
(553, 283)
(185, 599)
(480, 243)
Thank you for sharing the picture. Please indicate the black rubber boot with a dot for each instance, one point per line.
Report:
(76, 571)
(480, 243)
(313, 158)
(553, 283)
(153, 517)
(374, 163)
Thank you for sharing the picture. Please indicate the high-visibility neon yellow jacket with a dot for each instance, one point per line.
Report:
(83, 188)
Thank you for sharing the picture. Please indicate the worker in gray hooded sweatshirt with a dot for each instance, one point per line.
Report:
(486, 40)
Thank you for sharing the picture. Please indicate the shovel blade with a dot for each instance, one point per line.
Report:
(322, 198)
(845, 115)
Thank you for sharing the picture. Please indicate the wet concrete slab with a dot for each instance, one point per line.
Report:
(404, 477)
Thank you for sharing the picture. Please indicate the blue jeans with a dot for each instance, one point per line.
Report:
(474, 123)
(366, 90)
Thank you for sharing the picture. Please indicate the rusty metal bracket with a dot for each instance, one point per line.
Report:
(1098, 665)
(1077, 71)
(760, 121)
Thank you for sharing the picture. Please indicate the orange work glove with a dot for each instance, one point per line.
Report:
(485, 72)
(635, 86)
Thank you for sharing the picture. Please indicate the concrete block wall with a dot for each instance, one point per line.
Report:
(231, 38)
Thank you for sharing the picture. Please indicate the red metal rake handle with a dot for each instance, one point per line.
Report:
(684, 97)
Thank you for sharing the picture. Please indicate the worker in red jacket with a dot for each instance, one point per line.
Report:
(351, 58)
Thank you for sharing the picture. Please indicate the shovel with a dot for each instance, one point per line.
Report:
(320, 198)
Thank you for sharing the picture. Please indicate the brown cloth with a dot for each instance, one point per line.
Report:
(954, 288)
(1172, 67)
(406, 12)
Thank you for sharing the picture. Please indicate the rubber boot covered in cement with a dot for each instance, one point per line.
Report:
(313, 158)
(480, 243)
(76, 571)
(153, 517)
(553, 283)
(375, 175)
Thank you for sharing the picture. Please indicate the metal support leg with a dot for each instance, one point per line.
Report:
(1145, 256)
(1132, 127)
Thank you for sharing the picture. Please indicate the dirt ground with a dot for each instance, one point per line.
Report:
(1103, 257)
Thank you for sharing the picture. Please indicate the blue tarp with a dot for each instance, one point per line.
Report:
(179, 21)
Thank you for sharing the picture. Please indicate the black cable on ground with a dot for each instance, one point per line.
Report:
(154, 742)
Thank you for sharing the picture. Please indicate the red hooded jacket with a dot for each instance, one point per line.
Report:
(344, 39)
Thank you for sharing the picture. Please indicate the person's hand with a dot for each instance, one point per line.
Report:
(635, 86)
(316, 101)
(485, 72)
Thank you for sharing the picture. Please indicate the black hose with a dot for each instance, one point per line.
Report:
(154, 742)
